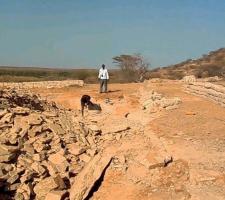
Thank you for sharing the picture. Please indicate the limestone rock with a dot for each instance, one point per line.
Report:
(42, 188)
(3, 113)
(75, 149)
(7, 152)
(85, 158)
(59, 161)
(88, 176)
(189, 79)
(56, 195)
(94, 128)
(34, 119)
(20, 110)
(7, 118)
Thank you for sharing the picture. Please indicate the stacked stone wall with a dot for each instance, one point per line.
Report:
(42, 84)
(208, 90)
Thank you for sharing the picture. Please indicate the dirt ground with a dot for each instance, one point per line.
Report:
(193, 134)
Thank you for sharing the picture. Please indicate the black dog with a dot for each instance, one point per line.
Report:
(85, 101)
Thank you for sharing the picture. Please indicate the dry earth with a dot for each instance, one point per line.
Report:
(193, 134)
(140, 129)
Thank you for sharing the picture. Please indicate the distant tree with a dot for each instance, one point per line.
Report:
(134, 67)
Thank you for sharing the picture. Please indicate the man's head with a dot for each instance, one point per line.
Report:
(103, 66)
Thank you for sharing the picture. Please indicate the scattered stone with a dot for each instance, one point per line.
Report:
(13, 178)
(189, 79)
(7, 118)
(20, 110)
(94, 128)
(56, 195)
(58, 179)
(7, 152)
(27, 176)
(12, 187)
(85, 158)
(75, 149)
(190, 113)
(34, 119)
(59, 161)
(92, 152)
(37, 167)
(3, 113)
(42, 188)
(153, 101)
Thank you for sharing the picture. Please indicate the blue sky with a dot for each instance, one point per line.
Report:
(84, 33)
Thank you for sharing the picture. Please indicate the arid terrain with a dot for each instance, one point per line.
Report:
(141, 127)
(193, 134)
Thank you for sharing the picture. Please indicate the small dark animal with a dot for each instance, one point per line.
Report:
(85, 101)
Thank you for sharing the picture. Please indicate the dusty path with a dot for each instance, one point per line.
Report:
(193, 134)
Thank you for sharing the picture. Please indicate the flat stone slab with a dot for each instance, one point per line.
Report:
(84, 182)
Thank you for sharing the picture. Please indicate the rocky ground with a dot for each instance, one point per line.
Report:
(150, 141)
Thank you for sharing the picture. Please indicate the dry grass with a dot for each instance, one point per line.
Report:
(18, 74)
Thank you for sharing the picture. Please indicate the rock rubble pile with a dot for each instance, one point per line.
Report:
(42, 147)
(153, 101)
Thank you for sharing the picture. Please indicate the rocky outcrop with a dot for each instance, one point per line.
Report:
(207, 90)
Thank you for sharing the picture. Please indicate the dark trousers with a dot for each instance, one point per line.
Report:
(103, 85)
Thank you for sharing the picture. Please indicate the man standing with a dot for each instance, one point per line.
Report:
(104, 77)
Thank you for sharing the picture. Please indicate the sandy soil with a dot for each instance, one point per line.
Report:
(193, 134)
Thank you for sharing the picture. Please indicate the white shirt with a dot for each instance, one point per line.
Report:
(103, 74)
